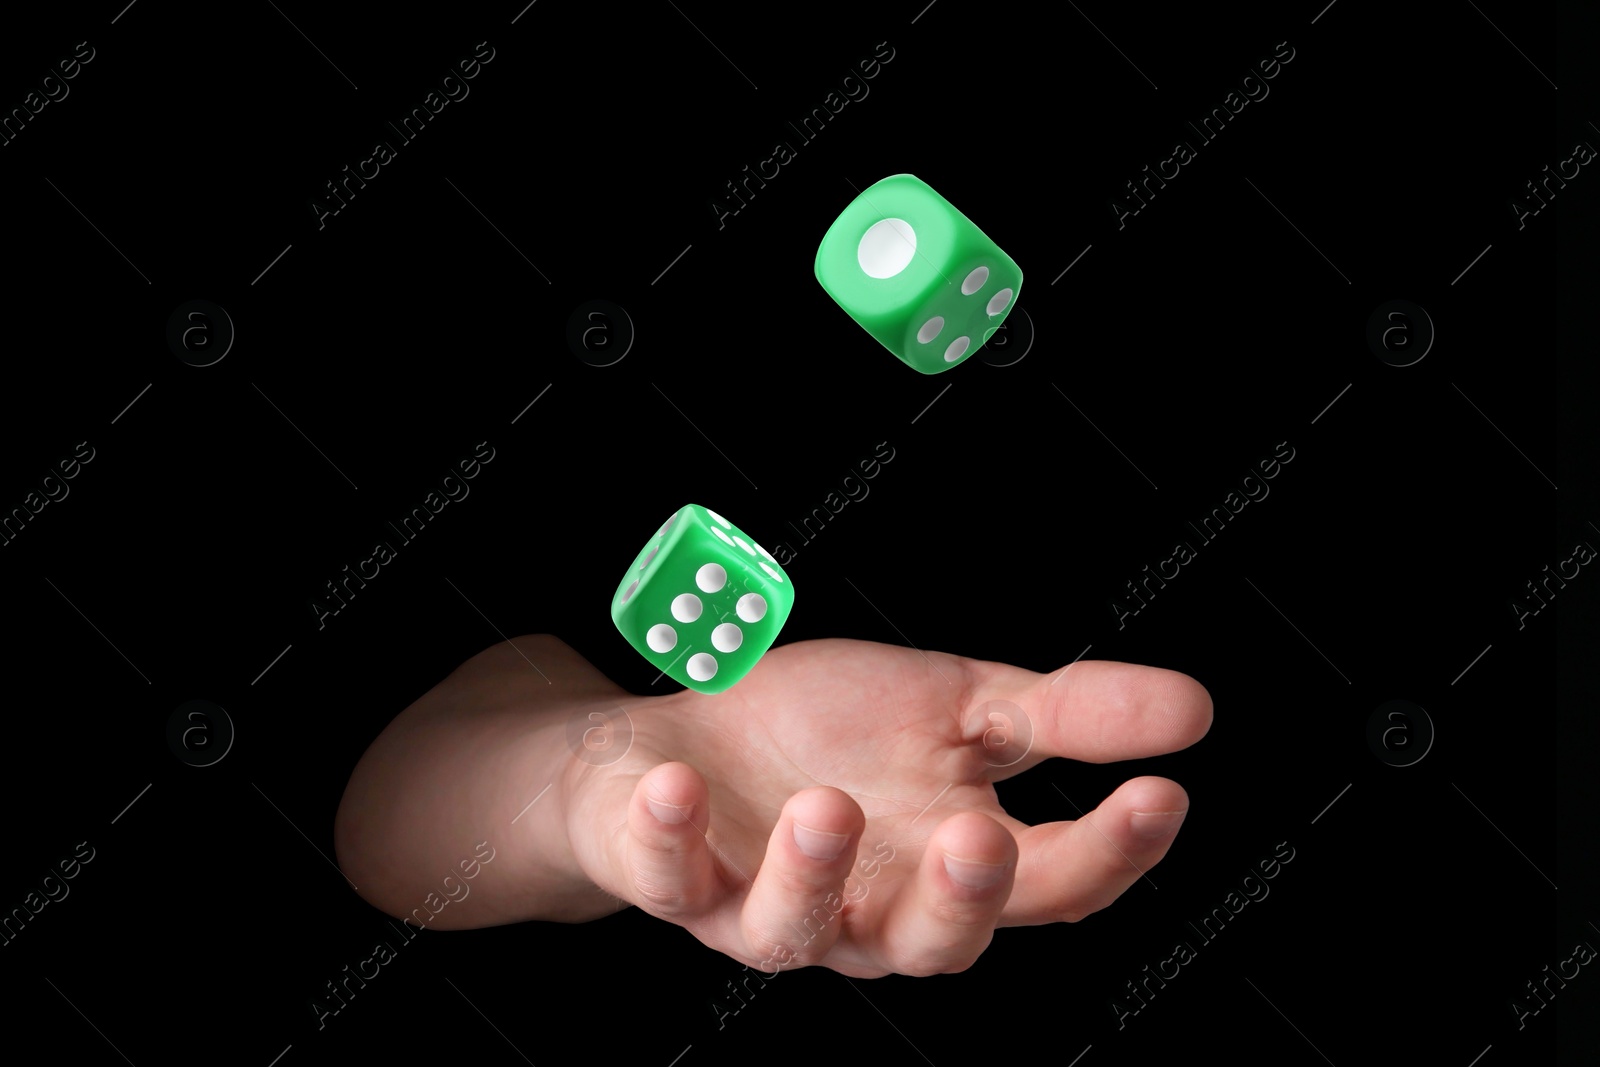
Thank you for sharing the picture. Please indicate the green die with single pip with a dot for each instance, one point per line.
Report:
(703, 601)
(917, 274)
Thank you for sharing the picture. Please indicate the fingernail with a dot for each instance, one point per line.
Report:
(972, 874)
(1157, 824)
(670, 814)
(819, 844)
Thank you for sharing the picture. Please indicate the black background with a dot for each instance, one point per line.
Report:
(1221, 320)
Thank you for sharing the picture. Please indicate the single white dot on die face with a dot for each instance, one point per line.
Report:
(957, 349)
(975, 281)
(722, 535)
(771, 573)
(668, 524)
(686, 607)
(719, 518)
(631, 588)
(661, 638)
(702, 666)
(930, 329)
(711, 577)
(744, 545)
(886, 248)
(752, 607)
(727, 637)
(998, 302)
(650, 557)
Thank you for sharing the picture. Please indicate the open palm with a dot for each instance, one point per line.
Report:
(837, 806)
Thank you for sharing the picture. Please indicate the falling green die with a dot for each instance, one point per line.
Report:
(703, 601)
(917, 274)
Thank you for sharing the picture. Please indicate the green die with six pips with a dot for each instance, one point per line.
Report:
(703, 601)
(917, 274)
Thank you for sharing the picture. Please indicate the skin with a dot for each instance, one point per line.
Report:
(886, 754)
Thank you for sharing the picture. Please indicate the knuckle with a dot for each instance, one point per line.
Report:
(960, 914)
(660, 898)
(934, 957)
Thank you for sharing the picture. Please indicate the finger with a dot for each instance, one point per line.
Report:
(668, 867)
(948, 918)
(1072, 869)
(1095, 711)
(795, 908)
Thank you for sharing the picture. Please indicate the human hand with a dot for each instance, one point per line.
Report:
(837, 807)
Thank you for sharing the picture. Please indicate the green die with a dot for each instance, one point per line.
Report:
(917, 274)
(702, 601)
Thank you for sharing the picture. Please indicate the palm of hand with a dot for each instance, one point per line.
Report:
(890, 755)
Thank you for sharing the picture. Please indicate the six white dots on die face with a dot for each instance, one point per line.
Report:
(725, 638)
(687, 607)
